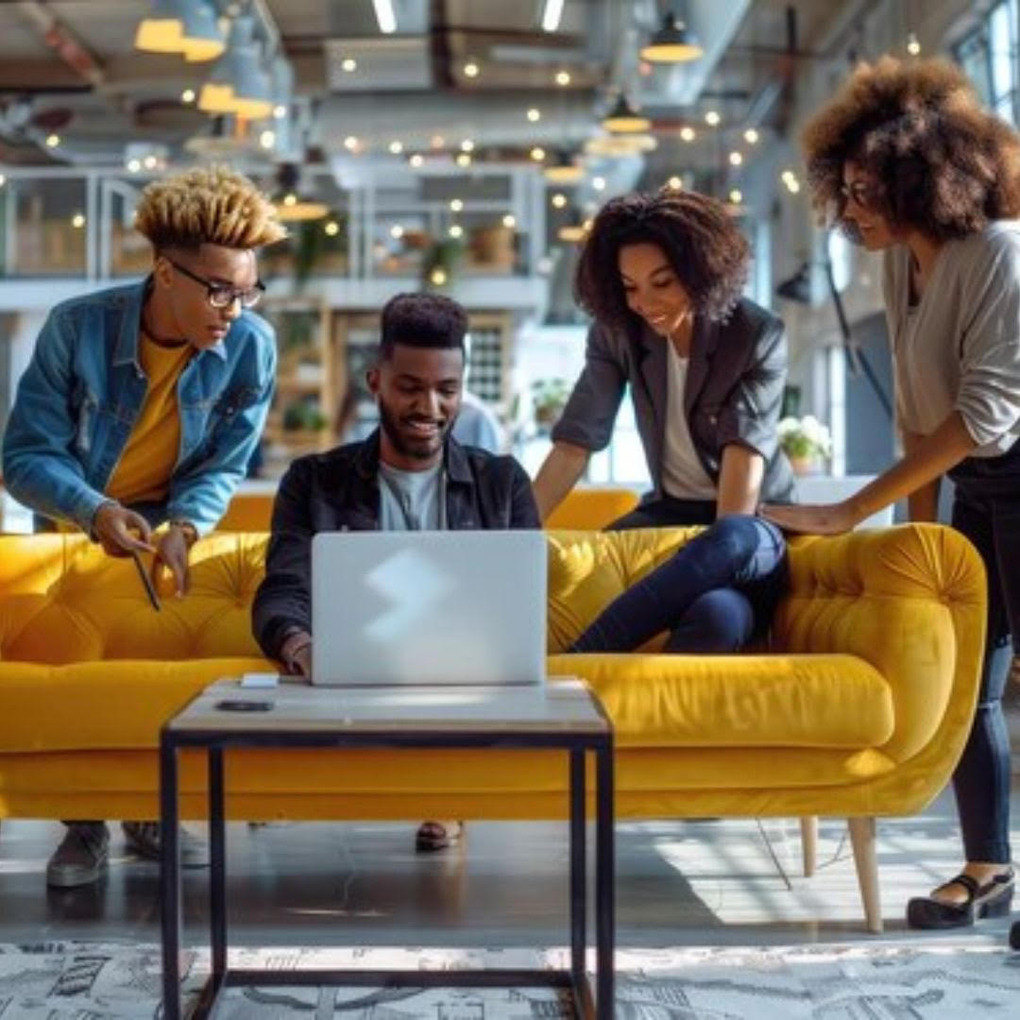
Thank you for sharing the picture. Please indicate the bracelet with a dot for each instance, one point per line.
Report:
(189, 529)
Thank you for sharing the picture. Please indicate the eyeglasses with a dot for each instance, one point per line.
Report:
(860, 192)
(222, 295)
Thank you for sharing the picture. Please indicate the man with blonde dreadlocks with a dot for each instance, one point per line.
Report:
(141, 406)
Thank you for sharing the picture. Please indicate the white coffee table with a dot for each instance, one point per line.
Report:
(562, 715)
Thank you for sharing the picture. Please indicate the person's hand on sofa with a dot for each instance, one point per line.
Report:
(830, 519)
(121, 531)
(172, 552)
(296, 654)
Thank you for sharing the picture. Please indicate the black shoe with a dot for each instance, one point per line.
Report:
(1014, 935)
(993, 899)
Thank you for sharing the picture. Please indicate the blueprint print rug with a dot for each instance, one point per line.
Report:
(904, 980)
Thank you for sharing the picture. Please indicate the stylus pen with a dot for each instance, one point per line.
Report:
(146, 580)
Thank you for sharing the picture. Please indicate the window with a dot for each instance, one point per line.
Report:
(989, 57)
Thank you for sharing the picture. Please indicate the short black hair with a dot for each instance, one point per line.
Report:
(422, 320)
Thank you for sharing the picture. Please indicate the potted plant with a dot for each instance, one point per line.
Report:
(805, 441)
(548, 398)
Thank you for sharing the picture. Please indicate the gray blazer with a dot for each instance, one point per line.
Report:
(734, 393)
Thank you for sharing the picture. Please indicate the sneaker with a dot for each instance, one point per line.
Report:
(143, 839)
(81, 857)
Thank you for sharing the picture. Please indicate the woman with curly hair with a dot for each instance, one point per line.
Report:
(662, 275)
(907, 161)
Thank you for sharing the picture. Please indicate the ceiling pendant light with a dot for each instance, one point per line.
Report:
(624, 119)
(291, 205)
(201, 39)
(188, 27)
(673, 43)
(563, 171)
(237, 83)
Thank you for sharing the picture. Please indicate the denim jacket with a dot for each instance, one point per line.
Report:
(81, 394)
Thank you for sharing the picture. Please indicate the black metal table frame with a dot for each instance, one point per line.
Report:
(222, 977)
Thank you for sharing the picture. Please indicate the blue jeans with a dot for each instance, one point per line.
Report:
(713, 595)
(986, 509)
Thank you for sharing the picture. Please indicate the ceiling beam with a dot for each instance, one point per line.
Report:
(71, 50)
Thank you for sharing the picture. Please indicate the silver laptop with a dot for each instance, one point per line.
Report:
(428, 607)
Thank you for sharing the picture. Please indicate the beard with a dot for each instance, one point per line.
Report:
(408, 445)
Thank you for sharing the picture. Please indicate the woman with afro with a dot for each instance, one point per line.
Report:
(907, 161)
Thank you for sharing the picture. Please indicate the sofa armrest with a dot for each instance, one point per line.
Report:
(911, 601)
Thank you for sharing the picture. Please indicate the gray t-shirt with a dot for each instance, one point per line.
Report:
(411, 500)
(958, 348)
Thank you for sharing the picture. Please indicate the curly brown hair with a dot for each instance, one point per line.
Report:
(939, 162)
(696, 234)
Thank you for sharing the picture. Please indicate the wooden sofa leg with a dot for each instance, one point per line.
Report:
(862, 838)
(809, 843)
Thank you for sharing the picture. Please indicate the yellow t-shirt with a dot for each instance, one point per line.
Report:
(148, 460)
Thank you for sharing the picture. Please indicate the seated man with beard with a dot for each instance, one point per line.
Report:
(408, 475)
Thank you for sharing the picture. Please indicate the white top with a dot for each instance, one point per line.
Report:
(958, 349)
(683, 475)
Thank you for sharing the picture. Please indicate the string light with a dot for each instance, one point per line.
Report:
(349, 65)
(396, 148)
(471, 69)
(712, 118)
(509, 221)
(456, 205)
(534, 115)
(736, 159)
(751, 136)
(688, 134)
(562, 78)
(676, 183)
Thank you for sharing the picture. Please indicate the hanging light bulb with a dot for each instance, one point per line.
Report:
(674, 43)
(913, 45)
(624, 119)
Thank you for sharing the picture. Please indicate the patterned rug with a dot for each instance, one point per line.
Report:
(902, 981)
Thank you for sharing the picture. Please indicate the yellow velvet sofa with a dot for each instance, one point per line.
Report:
(860, 709)
(588, 507)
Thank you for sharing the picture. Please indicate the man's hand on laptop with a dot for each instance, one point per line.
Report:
(296, 653)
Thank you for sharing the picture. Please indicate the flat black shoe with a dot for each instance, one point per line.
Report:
(993, 899)
(1014, 935)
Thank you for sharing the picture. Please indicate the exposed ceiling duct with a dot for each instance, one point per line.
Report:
(493, 121)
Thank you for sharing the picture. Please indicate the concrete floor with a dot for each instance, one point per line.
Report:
(694, 883)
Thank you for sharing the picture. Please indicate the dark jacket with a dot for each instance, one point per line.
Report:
(734, 393)
(339, 491)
